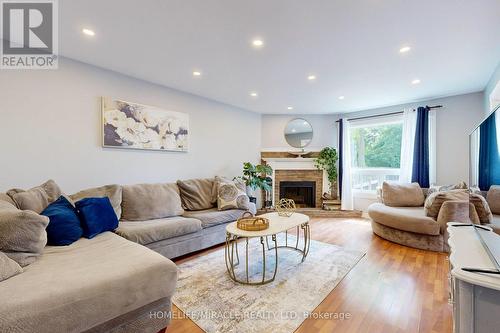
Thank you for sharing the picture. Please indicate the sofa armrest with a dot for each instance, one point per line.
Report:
(252, 208)
(457, 211)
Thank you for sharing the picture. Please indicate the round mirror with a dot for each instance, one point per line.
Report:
(298, 133)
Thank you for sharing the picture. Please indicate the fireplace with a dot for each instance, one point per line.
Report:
(302, 192)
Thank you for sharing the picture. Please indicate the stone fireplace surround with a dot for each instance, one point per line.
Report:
(296, 169)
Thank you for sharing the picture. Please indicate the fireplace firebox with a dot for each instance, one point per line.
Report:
(302, 192)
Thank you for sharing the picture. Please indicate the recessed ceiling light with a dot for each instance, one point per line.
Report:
(88, 32)
(404, 49)
(254, 94)
(416, 81)
(294, 130)
(311, 77)
(341, 97)
(196, 73)
(290, 108)
(258, 43)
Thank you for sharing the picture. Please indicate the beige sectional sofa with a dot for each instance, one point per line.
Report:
(410, 226)
(113, 282)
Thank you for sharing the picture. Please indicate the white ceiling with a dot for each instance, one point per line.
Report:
(351, 46)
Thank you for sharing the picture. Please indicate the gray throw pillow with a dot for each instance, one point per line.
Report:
(144, 202)
(198, 194)
(113, 192)
(434, 201)
(37, 198)
(402, 194)
(8, 267)
(493, 198)
(22, 233)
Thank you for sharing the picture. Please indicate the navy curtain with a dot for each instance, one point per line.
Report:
(420, 170)
(489, 159)
(341, 155)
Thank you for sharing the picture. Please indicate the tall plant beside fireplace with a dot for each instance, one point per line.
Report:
(256, 176)
(327, 161)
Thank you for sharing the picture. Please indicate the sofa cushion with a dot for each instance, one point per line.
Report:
(96, 216)
(213, 216)
(5, 197)
(493, 198)
(435, 200)
(411, 219)
(482, 208)
(113, 192)
(37, 198)
(77, 287)
(22, 233)
(143, 202)
(8, 267)
(146, 232)
(198, 194)
(64, 225)
(402, 195)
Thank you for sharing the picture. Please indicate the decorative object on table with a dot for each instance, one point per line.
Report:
(254, 177)
(137, 126)
(329, 204)
(249, 222)
(285, 207)
(231, 194)
(299, 287)
(298, 134)
(327, 161)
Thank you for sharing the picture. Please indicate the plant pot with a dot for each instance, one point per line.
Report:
(333, 190)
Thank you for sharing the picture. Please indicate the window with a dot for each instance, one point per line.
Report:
(375, 152)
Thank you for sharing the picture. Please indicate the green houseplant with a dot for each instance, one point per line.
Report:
(327, 161)
(256, 176)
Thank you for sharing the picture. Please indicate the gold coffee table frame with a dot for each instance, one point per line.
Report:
(277, 224)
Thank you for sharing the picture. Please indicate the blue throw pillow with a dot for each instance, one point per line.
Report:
(97, 215)
(64, 225)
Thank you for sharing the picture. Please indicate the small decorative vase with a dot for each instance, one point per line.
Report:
(285, 207)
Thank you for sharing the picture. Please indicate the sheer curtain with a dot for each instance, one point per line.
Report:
(407, 145)
(474, 158)
(347, 200)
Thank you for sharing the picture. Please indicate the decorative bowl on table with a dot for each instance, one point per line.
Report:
(249, 222)
(285, 207)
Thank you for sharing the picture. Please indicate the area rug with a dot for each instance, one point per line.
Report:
(207, 295)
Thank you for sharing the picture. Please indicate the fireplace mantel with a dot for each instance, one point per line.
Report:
(297, 163)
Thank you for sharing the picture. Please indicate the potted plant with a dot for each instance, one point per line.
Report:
(327, 161)
(254, 177)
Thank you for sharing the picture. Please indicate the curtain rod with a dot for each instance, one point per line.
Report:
(387, 114)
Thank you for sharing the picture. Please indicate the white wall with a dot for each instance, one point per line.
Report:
(492, 91)
(50, 128)
(273, 126)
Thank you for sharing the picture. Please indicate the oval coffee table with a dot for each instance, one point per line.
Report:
(277, 224)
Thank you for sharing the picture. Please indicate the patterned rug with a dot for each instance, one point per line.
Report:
(207, 295)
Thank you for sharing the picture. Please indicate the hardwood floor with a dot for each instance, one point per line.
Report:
(392, 289)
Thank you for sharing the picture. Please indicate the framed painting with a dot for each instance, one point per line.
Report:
(137, 126)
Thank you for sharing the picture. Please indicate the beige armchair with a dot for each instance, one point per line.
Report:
(411, 227)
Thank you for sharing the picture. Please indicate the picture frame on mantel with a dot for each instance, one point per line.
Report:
(129, 125)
